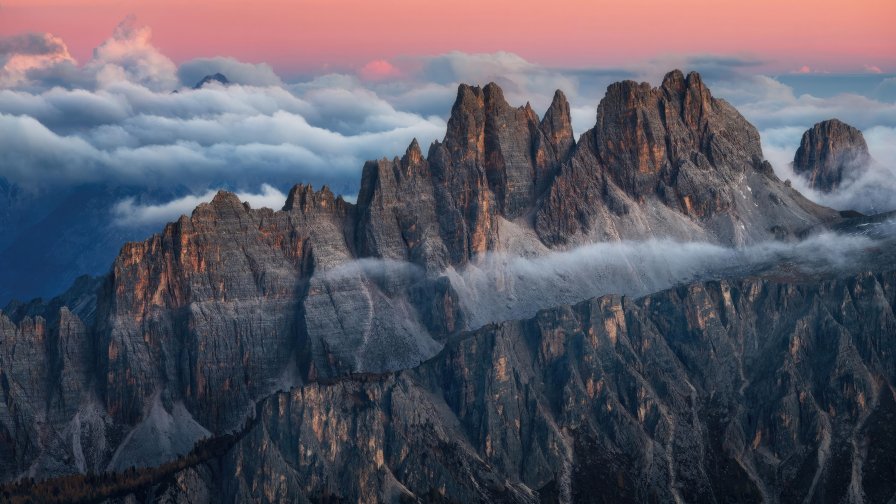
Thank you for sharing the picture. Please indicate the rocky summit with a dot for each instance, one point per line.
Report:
(829, 153)
(326, 351)
(218, 78)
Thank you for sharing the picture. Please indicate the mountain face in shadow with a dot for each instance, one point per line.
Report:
(830, 152)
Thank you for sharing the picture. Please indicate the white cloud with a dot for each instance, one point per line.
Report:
(872, 190)
(126, 132)
(130, 213)
(114, 119)
(128, 55)
(237, 72)
(769, 103)
(503, 287)
(22, 54)
(886, 90)
(42, 61)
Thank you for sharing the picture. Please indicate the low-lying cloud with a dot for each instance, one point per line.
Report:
(870, 190)
(501, 287)
(128, 212)
(495, 287)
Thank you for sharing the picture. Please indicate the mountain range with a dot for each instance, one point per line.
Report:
(333, 351)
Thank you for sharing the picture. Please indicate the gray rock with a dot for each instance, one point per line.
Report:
(670, 161)
(829, 152)
(195, 325)
(722, 391)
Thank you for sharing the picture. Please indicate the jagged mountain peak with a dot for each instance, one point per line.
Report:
(216, 77)
(466, 125)
(674, 81)
(225, 198)
(224, 203)
(516, 152)
(559, 97)
(649, 128)
(303, 197)
(830, 151)
(413, 155)
(557, 125)
(672, 147)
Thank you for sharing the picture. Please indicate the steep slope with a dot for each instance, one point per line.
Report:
(731, 391)
(724, 391)
(829, 152)
(670, 161)
(233, 302)
(493, 164)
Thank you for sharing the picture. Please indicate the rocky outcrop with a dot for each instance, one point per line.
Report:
(232, 303)
(393, 226)
(743, 391)
(50, 422)
(216, 77)
(830, 152)
(670, 161)
(194, 325)
(506, 144)
(447, 207)
(557, 127)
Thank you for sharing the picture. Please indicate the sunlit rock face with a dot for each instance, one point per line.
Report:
(196, 327)
(830, 152)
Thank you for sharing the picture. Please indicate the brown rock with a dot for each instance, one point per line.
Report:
(669, 161)
(829, 152)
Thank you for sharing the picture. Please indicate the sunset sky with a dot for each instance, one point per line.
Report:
(308, 35)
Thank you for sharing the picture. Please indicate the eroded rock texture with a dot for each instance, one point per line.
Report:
(829, 152)
(745, 391)
(195, 325)
(670, 161)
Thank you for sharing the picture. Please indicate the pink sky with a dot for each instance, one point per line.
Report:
(302, 35)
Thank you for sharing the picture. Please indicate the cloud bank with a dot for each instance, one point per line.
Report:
(128, 212)
(502, 287)
(495, 287)
(116, 118)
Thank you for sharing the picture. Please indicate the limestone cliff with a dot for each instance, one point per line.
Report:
(829, 152)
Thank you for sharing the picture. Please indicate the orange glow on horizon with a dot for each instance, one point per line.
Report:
(312, 34)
